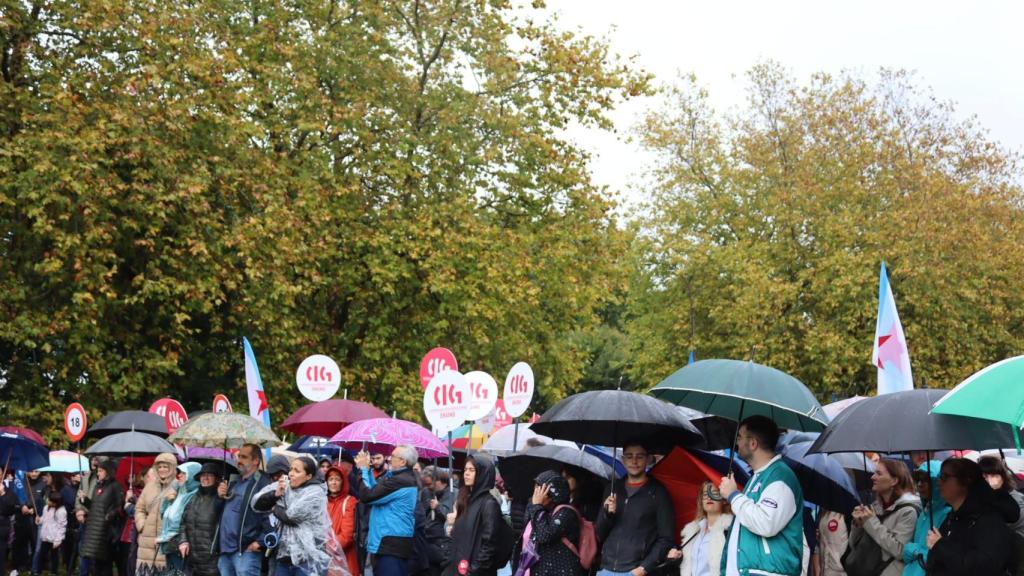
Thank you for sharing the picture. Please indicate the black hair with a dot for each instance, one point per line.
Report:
(635, 442)
(994, 465)
(967, 472)
(309, 465)
(255, 450)
(56, 498)
(763, 429)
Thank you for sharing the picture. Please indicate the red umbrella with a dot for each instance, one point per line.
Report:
(26, 432)
(130, 464)
(327, 418)
(682, 473)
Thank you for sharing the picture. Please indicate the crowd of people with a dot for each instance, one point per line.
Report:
(391, 515)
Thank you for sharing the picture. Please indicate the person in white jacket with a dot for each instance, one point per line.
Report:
(53, 524)
(704, 538)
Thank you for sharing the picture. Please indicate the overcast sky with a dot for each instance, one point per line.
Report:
(969, 52)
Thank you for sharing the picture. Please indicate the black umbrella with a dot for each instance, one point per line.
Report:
(130, 443)
(519, 470)
(900, 422)
(127, 421)
(613, 417)
(719, 433)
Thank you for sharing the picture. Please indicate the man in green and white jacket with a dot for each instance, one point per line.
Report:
(767, 537)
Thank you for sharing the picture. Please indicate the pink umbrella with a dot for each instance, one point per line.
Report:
(832, 410)
(382, 434)
(26, 432)
(327, 417)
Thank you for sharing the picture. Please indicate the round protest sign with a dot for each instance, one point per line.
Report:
(434, 362)
(446, 401)
(75, 421)
(318, 378)
(172, 411)
(221, 404)
(518, 389)
(483, 393)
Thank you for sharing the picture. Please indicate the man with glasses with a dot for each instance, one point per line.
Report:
(636, 525)
(242, 530)
(392, 500)
(767, 536)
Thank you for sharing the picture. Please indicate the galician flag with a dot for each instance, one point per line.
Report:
(258, 407)
(890, 353)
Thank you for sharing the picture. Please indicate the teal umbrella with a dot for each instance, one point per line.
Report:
(993, 393)
(736, 389)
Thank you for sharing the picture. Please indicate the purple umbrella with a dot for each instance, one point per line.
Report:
(327, 417)
(382, 434)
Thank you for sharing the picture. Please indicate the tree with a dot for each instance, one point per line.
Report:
(768, 225)
(361, 179)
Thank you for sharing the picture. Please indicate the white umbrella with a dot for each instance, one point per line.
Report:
(500, 442)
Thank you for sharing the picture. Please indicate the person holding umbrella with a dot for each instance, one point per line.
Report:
(104, 508)
(767, 534)
(9, 506)
(637, 523)
(915, 552)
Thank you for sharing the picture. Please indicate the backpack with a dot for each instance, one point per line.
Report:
(587, 552)
(863, 557)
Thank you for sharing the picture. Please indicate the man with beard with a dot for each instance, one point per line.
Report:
(241, 529)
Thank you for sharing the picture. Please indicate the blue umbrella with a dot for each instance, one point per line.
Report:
(315, 445)
(824, 480)
(17, 452)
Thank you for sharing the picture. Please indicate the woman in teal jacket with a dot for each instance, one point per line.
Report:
(915, 552)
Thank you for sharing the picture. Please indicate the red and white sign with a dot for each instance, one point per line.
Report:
(446, 401)
(501, 416)
(434, 362)
(172, 411)
(483, 393)
(221, 404)
(75, 421)
(518, 389)
(318, 378)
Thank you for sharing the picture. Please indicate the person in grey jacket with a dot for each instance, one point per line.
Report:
(889, 521)
(636, 526)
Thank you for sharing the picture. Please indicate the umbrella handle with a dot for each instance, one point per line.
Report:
(6, 465)
(736, 436)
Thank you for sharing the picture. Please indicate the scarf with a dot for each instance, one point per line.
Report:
(173, 512)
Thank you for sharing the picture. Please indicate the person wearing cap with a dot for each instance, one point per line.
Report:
(552, 520)
(104, 507)
(278, 466)
(197, 541)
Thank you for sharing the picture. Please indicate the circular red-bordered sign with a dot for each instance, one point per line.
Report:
(75, 421)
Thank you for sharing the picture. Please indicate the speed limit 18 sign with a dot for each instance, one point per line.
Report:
(75, 422)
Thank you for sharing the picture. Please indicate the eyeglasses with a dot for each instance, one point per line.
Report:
(944, 477)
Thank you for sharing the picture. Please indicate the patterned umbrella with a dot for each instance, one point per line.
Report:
(382, 434)
(225, 430)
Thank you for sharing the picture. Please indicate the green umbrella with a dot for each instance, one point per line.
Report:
(224, 430)
(993, 393)
(736, 389)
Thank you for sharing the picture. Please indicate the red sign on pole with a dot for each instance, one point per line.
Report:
(434, 362)
(501, 416)
(221, 404)
(75, 421)
(173, 412)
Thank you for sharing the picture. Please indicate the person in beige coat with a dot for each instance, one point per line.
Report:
(703, 539)
(889, 521)
(148, 513)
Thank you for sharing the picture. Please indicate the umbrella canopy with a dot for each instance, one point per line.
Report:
(613, 417)
(736, 389)
(18, 452)
(832, 410)
(26, 432)
(824, 480)
(993, 393)
(682, 473)
(125, 443)
(225, 430)
(519, 470)
(66, 462)
(900, 422)
(501, 442)
(383, 434)
(315, 445)
(608, 456)
(132, 465)
(126, 421)
(328, 417)
(467, 436)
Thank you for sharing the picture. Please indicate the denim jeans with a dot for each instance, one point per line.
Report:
(610, 573)
(285, 568)
(240, 564)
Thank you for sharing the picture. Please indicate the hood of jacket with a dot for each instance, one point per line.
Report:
(485, 476)
(932, 469)
(165, 458)
(344, 482)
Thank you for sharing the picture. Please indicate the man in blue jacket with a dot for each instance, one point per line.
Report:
(767, 537)
(241, 531)
(392, 499)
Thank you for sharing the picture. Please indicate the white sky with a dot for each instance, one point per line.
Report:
(969, 52)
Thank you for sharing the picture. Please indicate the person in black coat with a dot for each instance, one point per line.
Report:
(9, 508)
(553, 521)
(475, 531)
(974, 540)
(101, 531)
(197, 541)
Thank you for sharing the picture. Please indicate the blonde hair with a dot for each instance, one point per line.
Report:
(701, 514)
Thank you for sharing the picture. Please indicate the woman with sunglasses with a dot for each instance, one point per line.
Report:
(704, 538)
(974, 540)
